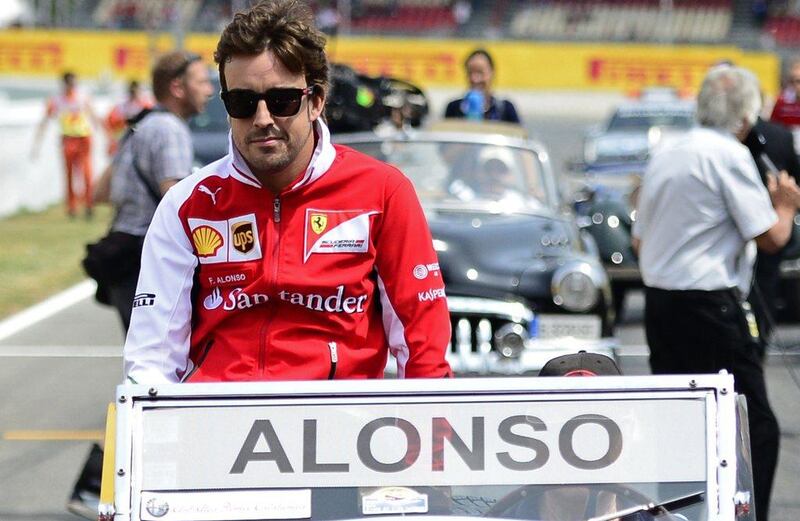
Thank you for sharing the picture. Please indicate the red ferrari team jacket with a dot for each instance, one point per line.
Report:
(320, 281)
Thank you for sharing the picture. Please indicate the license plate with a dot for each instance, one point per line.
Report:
(585, 327)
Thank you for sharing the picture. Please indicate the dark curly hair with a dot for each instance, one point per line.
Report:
(285, 27)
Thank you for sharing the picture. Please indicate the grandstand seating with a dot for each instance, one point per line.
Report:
(408, 16)
(136, 14)
(706, 21)
(785, 30)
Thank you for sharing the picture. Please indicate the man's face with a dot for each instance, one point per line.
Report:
(479, 73)
(277, 149)
(69, 83)
(197, 89)
(794, 78)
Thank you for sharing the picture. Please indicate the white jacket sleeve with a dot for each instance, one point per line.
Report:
(157, 345)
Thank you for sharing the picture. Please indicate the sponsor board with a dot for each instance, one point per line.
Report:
(517, 440)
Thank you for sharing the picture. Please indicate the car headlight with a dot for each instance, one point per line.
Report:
(574, 288)
(510, 340)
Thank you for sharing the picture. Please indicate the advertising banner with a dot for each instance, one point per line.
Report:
(430, 63)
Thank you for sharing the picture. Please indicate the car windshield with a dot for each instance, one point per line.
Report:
(446, 173)
(642, 120)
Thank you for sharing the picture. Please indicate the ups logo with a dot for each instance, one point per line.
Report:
(242, 234)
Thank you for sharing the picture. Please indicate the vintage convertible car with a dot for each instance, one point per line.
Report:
(524, 284)
(540, 449)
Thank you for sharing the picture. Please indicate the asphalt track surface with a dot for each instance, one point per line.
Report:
(60, 363)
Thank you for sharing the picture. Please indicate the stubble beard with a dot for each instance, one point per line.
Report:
(266, 165)
(269, 164)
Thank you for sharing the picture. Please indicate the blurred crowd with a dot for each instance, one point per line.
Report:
(748, 23)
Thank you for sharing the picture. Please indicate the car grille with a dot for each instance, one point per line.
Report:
(473, 334)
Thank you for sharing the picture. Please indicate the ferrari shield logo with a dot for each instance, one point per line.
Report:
(319, 221)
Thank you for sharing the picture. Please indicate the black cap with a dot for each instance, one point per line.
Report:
(581, 364)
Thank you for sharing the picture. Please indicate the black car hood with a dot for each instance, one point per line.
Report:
(500, 254)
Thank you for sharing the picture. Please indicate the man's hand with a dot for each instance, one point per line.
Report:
(783, 191)
(785, 197)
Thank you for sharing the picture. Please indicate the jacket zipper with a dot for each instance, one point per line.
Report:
(334, 359)
(273, 281)
(200, 360)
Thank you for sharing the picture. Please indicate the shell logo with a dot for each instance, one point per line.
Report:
(207, 241)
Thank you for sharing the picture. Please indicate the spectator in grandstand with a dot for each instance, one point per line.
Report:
(462, 12)
(75, 116)
(787, 107)
(328, 19)
(479, 67)
(117, 119)
(701, 204)
(760, 11)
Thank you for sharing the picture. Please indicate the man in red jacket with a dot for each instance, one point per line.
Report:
(289, 258)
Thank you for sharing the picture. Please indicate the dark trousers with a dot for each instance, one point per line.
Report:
(703, 332)
(120, 295)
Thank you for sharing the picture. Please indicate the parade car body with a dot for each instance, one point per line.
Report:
(523, 283)
(540, 449)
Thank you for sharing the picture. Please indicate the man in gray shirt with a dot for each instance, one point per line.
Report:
(701, 212)
(154, 156)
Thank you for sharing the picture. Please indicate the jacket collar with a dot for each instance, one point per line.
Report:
(321, 160)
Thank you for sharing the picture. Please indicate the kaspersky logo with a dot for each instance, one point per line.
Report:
(207, 241)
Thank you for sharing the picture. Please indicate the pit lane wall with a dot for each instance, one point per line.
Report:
(429, 63)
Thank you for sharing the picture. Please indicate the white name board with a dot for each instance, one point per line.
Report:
(414, 444)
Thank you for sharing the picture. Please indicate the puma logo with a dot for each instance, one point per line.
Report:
(213, 195)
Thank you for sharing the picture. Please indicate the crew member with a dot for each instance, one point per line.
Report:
(702, 209)
(117, 119)
(75, 116)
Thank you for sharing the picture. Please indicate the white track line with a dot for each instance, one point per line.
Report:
(60, 351)
(47, 308)
(632, 350)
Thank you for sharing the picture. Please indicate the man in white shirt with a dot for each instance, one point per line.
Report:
(702, 209)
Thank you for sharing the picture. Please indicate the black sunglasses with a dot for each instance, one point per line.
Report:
(281, 103)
